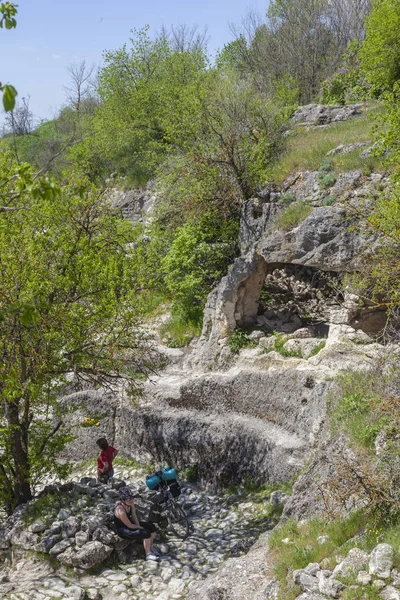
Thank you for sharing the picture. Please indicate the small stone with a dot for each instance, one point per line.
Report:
(322, 539)
(364, 578)
(38, 527)
(63, 514)
(379, 584)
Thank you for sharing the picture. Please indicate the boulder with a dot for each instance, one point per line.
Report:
(71, 526)
(328, 585)
(390, 593)
(381, 561)
(86, 557)
(356, 561)
(60, 547)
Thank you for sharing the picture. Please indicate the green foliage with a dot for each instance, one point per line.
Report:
(178, 331)
(191, 473)
(318, 348)
(238, 339)
(306, 150)
(303, 547)
(348, 83)
(288, 197)
(279, 343)
(66, 306)
(358, 408)
(8, 10)
(199, 255)
(150, 106)
(293, 215)
(380, 52)
(367, 404)
(326, 180)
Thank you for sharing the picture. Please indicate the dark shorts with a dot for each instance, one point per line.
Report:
(137, 534)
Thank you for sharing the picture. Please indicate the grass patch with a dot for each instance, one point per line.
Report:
(287, 198)
(301, 546)
(292, 216)
(307, 149)
(153, 303)
(279, 343)
(239, 338)
(190, 473)
(355, 410)
(318, 348)
(177, 333)
(42, 508)
(329, 200)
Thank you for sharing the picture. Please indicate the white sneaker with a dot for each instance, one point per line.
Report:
(152, 556)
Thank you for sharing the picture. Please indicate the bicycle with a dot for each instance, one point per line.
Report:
(178, 521)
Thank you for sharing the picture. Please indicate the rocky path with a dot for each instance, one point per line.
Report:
(224, 526)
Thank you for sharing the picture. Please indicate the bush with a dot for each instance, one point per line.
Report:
(177, 332)
(199, 256)
(329, 200)
(239, 338)
(288, 197)
(326, 180)
(347, 84)
(293, 215)
(191, 473)
(368, 406)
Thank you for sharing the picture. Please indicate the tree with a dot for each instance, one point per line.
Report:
(150, 101)
(67, 315)
(380, 52)
(19, 121)
(81, 90)
(8, 10)
(301, 40)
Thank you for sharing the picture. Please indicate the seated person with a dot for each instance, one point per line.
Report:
(129, 527)
(104, 461)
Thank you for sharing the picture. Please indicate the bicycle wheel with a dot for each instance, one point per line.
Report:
(178, 520)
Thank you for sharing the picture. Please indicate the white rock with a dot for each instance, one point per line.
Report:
(381, 561)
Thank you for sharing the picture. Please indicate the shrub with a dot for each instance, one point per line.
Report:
(199, 256)
(326, 180)
(280, 341)
(347, 84)
(293, 215)
(368, 404)
(191, 473)
(329, 200)
(239, 338)
(326, 166)
(288, 197)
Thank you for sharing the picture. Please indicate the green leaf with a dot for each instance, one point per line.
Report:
(29, 316)
(9, 95)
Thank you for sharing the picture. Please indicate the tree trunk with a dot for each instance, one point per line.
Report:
(19, 451)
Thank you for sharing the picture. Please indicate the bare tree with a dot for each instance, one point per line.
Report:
(186, 38)
(347, 18)
(20, 121)
(82, 87)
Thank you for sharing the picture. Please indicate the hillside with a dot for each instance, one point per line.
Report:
(199, 261)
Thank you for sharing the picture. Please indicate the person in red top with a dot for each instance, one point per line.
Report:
(104, 461)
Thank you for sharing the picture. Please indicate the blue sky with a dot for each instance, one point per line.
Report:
(52, 34)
